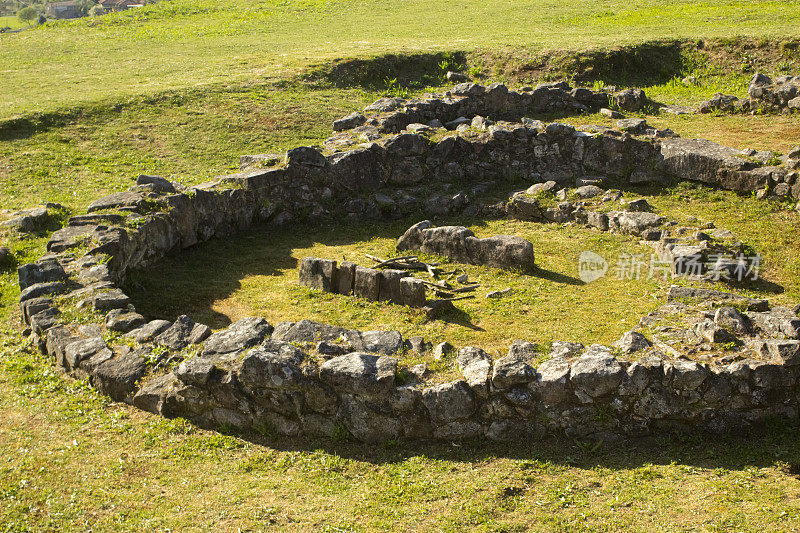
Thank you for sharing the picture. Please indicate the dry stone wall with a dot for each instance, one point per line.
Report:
(256, 375)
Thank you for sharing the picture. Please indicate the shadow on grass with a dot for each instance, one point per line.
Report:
(773, 443)
(557, 277)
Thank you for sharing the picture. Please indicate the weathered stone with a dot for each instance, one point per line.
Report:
(177, 335)
(79, 351)
(475, 365)
(460, 244)
(712, 333)
(45, 270)
(365, 424)
(309, 331)
(513, 370)
(117, 377)
(29, 220)
(319, 274)
(632, 342)
(108, 300)
(239, 336)
(389, 285)
(157, 183)
(635, 222)
(151, 396)
(678, 293)
(119, 320)
(305, 156)
(449, 402)
(42, 289)
(353, 120)
(630, 99)
(412, 292)
(360, 373)
(149, 331)
(367, 283)
(195, 371)
(383, 342)
(561, 349)
(732, 320)
(596, 375)
(786, 352)
(264, 368)
(685, 375)
(125, 199)
(345, 278)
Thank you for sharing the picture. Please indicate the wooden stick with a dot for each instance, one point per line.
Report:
(468, 288)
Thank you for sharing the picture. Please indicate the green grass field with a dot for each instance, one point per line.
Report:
(181, 43)
(13, 22)
(182, 89)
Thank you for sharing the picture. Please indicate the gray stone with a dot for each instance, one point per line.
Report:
(305, 156)
(513, 370)
(636, 126)
(732, 320)
(124, 322)
(29, 220)
(412, 292)
(353, 120)
(345, 278)
(151, 396)
(553, 383)
(365, 424)
(475, 365)
(712, 333)
(611, 114)
(239, 336)
(597, 375)
(367, 283)
(199, 333)
(360, 373)
(588, 191)
(460, 244)
(685, 375)
(636, 223)
(177, 335)
(309, 331)
(630, 99)
(786, 352)
(45, 270)
(389, 285)
(82, 350)
(125, 199)
(449, 402)
(688, 294)
(383, 342)
(632, 342)
(640, 205)
(157, 183)
(442, 350)
(42, 289)
(318, 274)
(117, 377)
(108, 300)
(263, 368)
(149, 331)
(560, 349)
(195, 371)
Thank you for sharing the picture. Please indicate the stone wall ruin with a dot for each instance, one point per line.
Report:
(257, 375)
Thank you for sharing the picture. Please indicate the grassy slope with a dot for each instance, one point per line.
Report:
(180, 43)
(72, 460)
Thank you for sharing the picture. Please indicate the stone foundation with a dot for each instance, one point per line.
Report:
(254, 375)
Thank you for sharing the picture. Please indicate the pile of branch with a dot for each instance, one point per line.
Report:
(442, 288)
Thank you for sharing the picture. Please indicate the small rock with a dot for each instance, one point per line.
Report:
(641, 205)
(498, 294)
(456, 77)
(330, 349)
(632, 342)
(611, 114)
(442, 350)
(5, 257)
